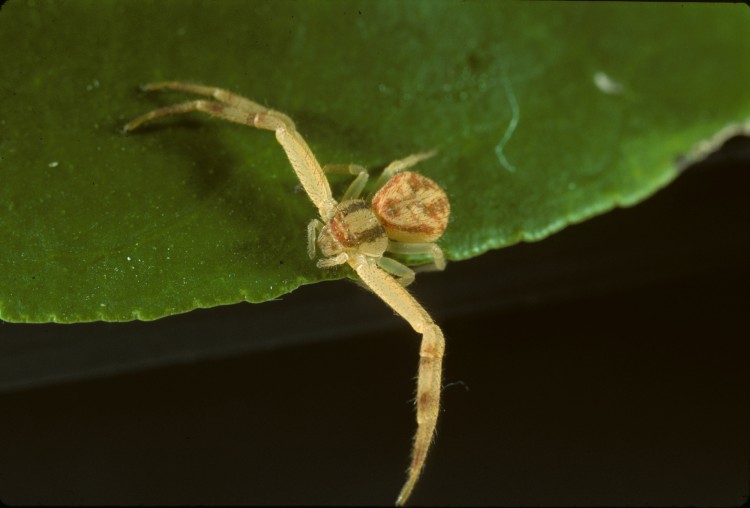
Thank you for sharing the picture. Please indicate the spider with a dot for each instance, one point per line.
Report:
(406, 215)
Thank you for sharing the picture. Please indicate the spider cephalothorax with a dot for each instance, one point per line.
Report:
(353, 227)
(407, 214)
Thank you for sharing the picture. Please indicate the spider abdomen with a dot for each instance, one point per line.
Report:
(412, 208)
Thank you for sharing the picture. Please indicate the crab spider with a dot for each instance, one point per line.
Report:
(406, 215)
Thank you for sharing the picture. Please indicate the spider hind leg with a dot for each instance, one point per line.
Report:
(411, 249)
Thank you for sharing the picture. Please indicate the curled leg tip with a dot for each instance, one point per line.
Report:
(129, 127)
(150, 87)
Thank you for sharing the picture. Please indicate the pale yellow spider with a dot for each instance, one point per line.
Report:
(407, 214)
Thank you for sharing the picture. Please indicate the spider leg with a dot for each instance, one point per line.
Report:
(213, 108)
(400, 165)
(313, 229)
(244, 111)
(430, 361)
(340, 259)
(220, 95)
(344, 169)
(357, 186)
(438, 258)
(305, 164)
(404, 275)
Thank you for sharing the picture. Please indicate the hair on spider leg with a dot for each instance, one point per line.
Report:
(455, 383)
(413, 400)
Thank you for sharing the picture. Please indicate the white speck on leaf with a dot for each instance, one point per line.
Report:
(607, 84)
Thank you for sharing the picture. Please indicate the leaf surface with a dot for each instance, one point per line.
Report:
(544, 114)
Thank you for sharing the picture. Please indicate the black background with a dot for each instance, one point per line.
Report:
(605, 365)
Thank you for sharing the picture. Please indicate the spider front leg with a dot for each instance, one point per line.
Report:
(233, 108)
(227, 106)
(213, 108)
(220, 95)
(430, 360)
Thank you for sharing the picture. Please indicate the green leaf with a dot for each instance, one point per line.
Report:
(544, 114)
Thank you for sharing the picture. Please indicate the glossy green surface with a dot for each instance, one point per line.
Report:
(544, 114)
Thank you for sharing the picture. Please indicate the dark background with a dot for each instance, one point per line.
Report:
(605, 365)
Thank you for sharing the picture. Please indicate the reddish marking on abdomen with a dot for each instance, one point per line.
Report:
(412, 204)
(438, 208)
(421, 227)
